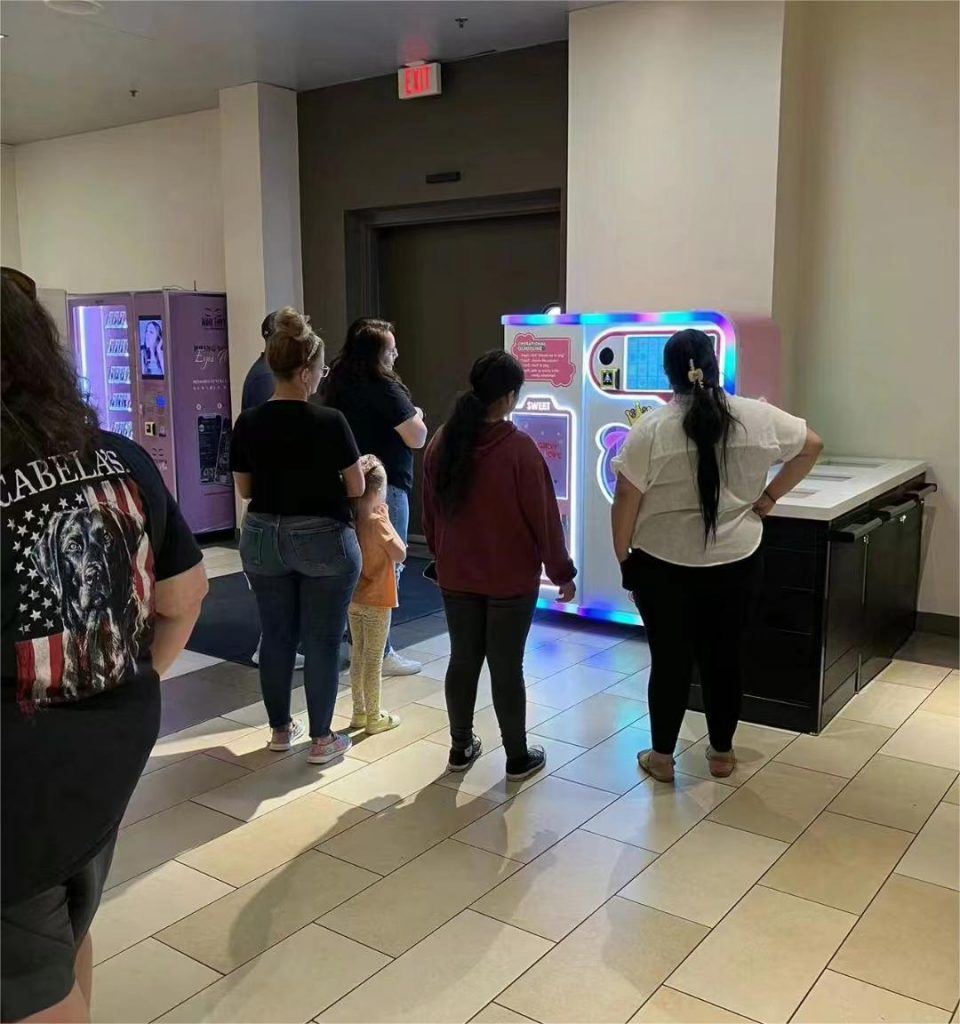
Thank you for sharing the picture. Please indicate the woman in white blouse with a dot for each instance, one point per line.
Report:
(691, 493)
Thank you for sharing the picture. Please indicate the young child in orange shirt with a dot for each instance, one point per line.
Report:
(374, 599)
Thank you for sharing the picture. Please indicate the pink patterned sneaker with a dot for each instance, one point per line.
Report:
(284, 739)
(323, 752)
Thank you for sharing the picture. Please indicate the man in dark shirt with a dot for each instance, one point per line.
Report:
(258, 387)
(258, 384)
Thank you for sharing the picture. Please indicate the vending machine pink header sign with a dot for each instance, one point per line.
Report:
(545, 360)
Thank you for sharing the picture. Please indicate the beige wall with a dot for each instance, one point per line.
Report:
(9, 223)
(127, 208)
(876, 357)
(672, 155)
(261, 214)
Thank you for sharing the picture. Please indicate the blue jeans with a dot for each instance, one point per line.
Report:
(398, 503)
(303, 570)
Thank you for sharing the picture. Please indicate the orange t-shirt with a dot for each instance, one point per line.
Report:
(377, 586)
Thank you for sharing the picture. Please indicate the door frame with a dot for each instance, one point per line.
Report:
(362, 236)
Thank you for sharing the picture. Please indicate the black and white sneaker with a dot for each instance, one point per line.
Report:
(519, 768)
(460, 760)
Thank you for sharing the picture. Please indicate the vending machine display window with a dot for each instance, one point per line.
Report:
(152, 359)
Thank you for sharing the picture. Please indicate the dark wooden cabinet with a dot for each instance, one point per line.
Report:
(838, 599)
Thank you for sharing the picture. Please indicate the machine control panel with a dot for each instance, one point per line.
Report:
(629, 361)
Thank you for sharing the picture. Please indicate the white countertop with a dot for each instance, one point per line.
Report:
(838, 484)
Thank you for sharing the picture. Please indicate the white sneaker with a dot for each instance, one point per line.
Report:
(298, 663)
(394, 665)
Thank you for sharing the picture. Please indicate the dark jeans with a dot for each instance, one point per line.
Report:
(694, 615)
(495, 629)
(303, 570)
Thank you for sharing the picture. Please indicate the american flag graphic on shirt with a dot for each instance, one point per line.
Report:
(83, 567)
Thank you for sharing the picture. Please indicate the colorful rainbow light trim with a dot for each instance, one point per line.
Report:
(676, 318)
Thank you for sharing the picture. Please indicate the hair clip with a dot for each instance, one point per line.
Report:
(695, 375)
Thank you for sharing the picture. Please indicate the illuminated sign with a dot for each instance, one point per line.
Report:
(418, 80)
(545, 360)
(553, 428)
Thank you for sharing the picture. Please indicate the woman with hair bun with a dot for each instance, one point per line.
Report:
(299, 465)
(491, 519)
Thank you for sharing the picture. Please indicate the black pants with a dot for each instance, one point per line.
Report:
(495, 629)
(694, 616)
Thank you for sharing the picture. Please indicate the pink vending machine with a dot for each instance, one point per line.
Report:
(155, 366)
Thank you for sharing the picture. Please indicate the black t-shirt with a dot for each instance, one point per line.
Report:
(84, 541)
(374, 408)
(295, 452)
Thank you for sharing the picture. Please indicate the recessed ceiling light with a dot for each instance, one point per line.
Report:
(81, 7)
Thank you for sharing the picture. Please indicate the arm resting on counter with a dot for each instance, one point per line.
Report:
(792, 472)
(623, 516)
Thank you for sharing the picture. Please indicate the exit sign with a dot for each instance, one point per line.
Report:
(419, 80)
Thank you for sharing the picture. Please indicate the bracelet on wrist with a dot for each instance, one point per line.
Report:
(769, 495)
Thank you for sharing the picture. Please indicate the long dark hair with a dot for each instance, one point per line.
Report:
(41, 411)
(493, 376)
(690, 363)
(361, 358)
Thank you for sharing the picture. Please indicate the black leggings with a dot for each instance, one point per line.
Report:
(694, 615)
(495, 629)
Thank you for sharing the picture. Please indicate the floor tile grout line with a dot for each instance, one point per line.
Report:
(200, 910)
(883, 988)
(212, 983)
(424, 939)
(860, 916)
(616, 796)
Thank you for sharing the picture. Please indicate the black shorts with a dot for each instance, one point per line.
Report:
(41, 937)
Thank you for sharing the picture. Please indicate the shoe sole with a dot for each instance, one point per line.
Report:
(395, 675)
(326, 758)
(520, 776)
(279, 748)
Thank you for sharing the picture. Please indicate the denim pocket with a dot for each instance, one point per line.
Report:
(251, 546)
(319, 551)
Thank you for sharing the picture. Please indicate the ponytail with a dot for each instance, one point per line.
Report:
(460, 435)
(493, 376)
(707, 423)
(690, 362)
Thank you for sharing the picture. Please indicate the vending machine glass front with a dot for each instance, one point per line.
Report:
(101, 340)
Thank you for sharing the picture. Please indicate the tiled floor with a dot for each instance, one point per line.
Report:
(818, 883)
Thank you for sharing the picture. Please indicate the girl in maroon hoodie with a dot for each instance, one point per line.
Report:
(491, 520)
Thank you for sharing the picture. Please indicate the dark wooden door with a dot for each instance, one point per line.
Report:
(446, 285)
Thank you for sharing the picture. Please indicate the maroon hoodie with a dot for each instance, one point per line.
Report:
(508, 526)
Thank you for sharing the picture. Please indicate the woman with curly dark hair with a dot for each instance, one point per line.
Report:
(492, 522)
(366, 388)
(101, 587)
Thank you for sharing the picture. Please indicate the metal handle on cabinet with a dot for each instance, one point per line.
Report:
(923, 492)
(855, 531)
(889, 512)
